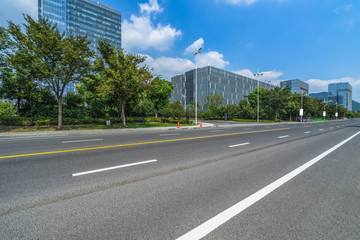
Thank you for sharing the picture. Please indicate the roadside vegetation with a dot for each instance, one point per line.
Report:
(38, 63)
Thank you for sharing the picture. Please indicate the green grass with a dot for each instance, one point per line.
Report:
(85, 127)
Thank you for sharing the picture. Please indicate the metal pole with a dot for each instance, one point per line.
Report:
(196, 53)
(196, 95)
(258, 108)
(301, 117)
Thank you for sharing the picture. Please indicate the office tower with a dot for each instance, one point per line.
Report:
(341, 93)
(210, 80)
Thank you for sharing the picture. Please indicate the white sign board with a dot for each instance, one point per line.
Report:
(324, 113)
(336, 114)
(301, 112)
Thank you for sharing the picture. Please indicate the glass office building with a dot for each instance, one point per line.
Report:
(324, 96)
(210, 80)
(296, 86)
(341, 93)
(83, 17)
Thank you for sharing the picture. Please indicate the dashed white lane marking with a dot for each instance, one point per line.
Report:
(85, 140)
(112, 168)
(238, 145)
(307, 132)
(321, 129)
(220, 130)
(169, 134)
(213, 223)
(284, 136)
(331, 127)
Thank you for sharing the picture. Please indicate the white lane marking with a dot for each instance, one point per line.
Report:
(331, 127)
(307, 132)
(85, 140)
(238, 145)
(321, 129)
(169, 134)
(214, 222)
(217, 131)
(112, 168)
(284, 136)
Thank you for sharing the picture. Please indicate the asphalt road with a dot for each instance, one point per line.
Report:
(157, 184)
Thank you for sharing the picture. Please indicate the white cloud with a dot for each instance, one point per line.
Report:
(140, 32)
(169, 67)
(213, 58)
(12, 10)
(272, 76)
(196, 45)
(150, 7)
(240, 2)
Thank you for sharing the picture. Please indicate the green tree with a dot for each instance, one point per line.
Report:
(58, 60)
(159, 92)
(122, 74)
(6, 109)
(278, 99)
(213, 102)
(246, 111)
(174, 110)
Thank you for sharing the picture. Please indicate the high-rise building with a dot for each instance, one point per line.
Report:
(296, 86)
(210, 80)
(324, 96)
(341, 93)
(84, 17)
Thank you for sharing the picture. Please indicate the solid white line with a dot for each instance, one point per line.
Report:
(284, 136)
(169, 134)
(85, 140)
(112, 168)
(308, 132)
(213, 223)
(237, 145)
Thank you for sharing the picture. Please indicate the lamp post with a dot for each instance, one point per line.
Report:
(301, 110)
(258, 88)
(196, 53)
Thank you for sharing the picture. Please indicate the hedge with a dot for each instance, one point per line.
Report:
(22, 121)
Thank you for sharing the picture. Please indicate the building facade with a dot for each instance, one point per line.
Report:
(296, 86)
(324, 96)
(341, 93)
(84, 17)
(210, 80)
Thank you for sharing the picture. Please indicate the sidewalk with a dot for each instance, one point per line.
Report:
(97, 131)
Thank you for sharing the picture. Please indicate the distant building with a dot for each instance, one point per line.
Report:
(83, 17)
(355, 106)
(341, 93)
(324, 96)
(296, 86)
(210, 80)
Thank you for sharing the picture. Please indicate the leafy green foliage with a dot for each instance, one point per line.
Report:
(159, 92)
(122, 75)
(6, 109)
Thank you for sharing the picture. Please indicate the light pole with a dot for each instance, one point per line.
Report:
(258, 88)
(196, 53)
(301, 110)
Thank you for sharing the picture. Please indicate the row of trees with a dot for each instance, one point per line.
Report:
(275, 104)
(38, 62)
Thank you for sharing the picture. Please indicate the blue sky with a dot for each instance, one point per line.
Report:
(317, 41)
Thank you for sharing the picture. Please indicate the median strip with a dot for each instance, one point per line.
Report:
(140, 143)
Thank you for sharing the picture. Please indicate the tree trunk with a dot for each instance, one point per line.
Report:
(290, 116)
(156, 114)
(60, 112)
(123, 113)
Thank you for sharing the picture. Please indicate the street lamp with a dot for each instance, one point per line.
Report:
(258, 108)
(196, 53)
